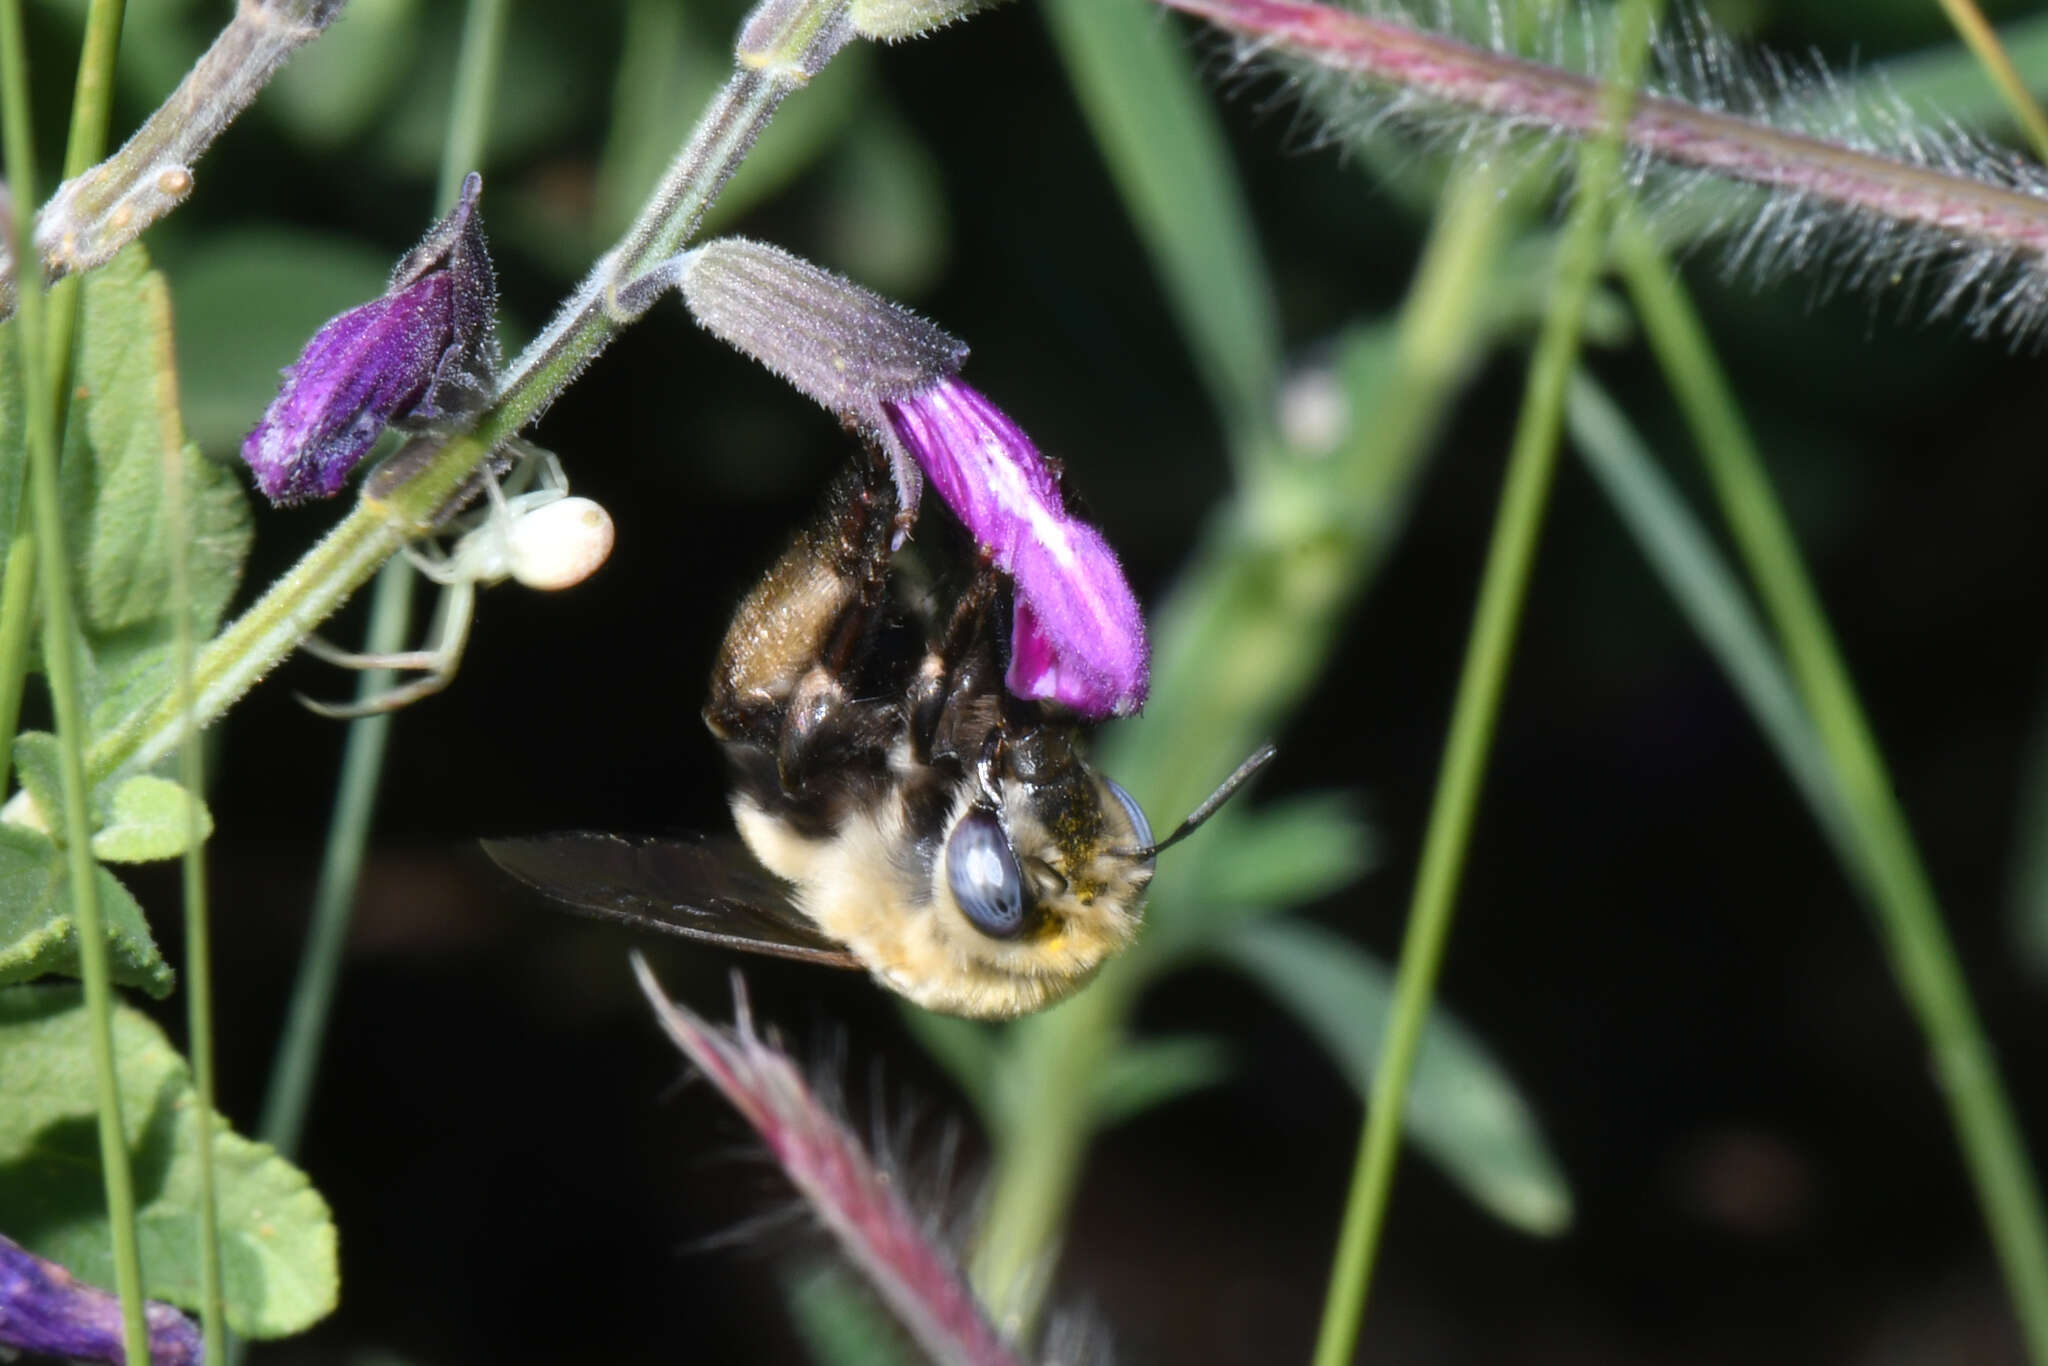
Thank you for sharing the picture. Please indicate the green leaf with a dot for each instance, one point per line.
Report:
(1149, 1072)
(38, 766)
(278, 1262)
(124, 433)
(151, 818)
(38, 937)
(1463, 1111)
(1166, 152)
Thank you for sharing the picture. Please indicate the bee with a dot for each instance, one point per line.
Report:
(898, 810)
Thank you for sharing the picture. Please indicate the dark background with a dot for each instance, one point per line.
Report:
(1651, 936)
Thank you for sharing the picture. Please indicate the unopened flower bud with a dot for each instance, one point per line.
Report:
(888, 21)
(425, 350)
(45, 1311)
(1078, 638)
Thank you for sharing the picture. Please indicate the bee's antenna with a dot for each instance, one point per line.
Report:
(1225, 790)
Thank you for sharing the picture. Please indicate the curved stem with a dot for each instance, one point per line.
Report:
(1502, 591)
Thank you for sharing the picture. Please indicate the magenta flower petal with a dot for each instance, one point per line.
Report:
(425, 349)
(1078, 637)
(46, 1311)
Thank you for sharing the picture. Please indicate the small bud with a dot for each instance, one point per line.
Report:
(1078, 637)
(889, 21)
(426, 349)
(45, 1311)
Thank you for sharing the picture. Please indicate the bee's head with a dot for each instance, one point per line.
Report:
(1041, 873)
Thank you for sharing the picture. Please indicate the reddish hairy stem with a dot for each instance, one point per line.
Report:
(1514, 88)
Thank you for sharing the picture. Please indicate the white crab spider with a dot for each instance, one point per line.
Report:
(545, 539)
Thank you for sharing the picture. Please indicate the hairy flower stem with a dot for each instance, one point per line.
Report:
(1496, 620)
(1888, 866)
(1518, 91)
(782, 45)
(61, 661)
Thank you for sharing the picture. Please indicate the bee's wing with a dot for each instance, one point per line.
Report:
(700, 887)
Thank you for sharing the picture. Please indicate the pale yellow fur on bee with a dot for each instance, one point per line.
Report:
(851, 886)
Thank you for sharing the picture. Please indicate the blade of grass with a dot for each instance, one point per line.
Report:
(1710, 595)
(1982, 39)
(92, 99)
(1167, 153)
(61, 660)
(198, 924)
(1503, 588)
(1887, 866)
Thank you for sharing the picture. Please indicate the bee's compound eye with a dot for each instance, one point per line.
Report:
(559, 544)
(1140, 827)
(983, 876)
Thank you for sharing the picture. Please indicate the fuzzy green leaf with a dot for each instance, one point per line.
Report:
(1463, 1109)
(38, 936)
(1148, 1072)
(278, 1262)
(37, 765)
(150, 818)
(124, 434)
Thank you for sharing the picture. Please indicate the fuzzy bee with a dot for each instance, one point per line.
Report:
(898, 809)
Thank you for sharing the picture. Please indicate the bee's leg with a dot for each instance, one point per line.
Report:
(956, 682)
(782, 681)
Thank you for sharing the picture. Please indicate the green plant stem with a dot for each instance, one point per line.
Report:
(91, 100)
(60, 656)
(198, 924)
(476, 81)
(1532, 463)
(355, 799)
(1269, 584)
(17, 613)
(1889, 871)
(784, 44)
(91, 104)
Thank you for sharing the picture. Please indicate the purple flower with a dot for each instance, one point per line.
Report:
(426, 349)
(45, 1311)
(1078, 637)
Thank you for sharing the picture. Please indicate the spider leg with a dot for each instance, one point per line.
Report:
(438, 662)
